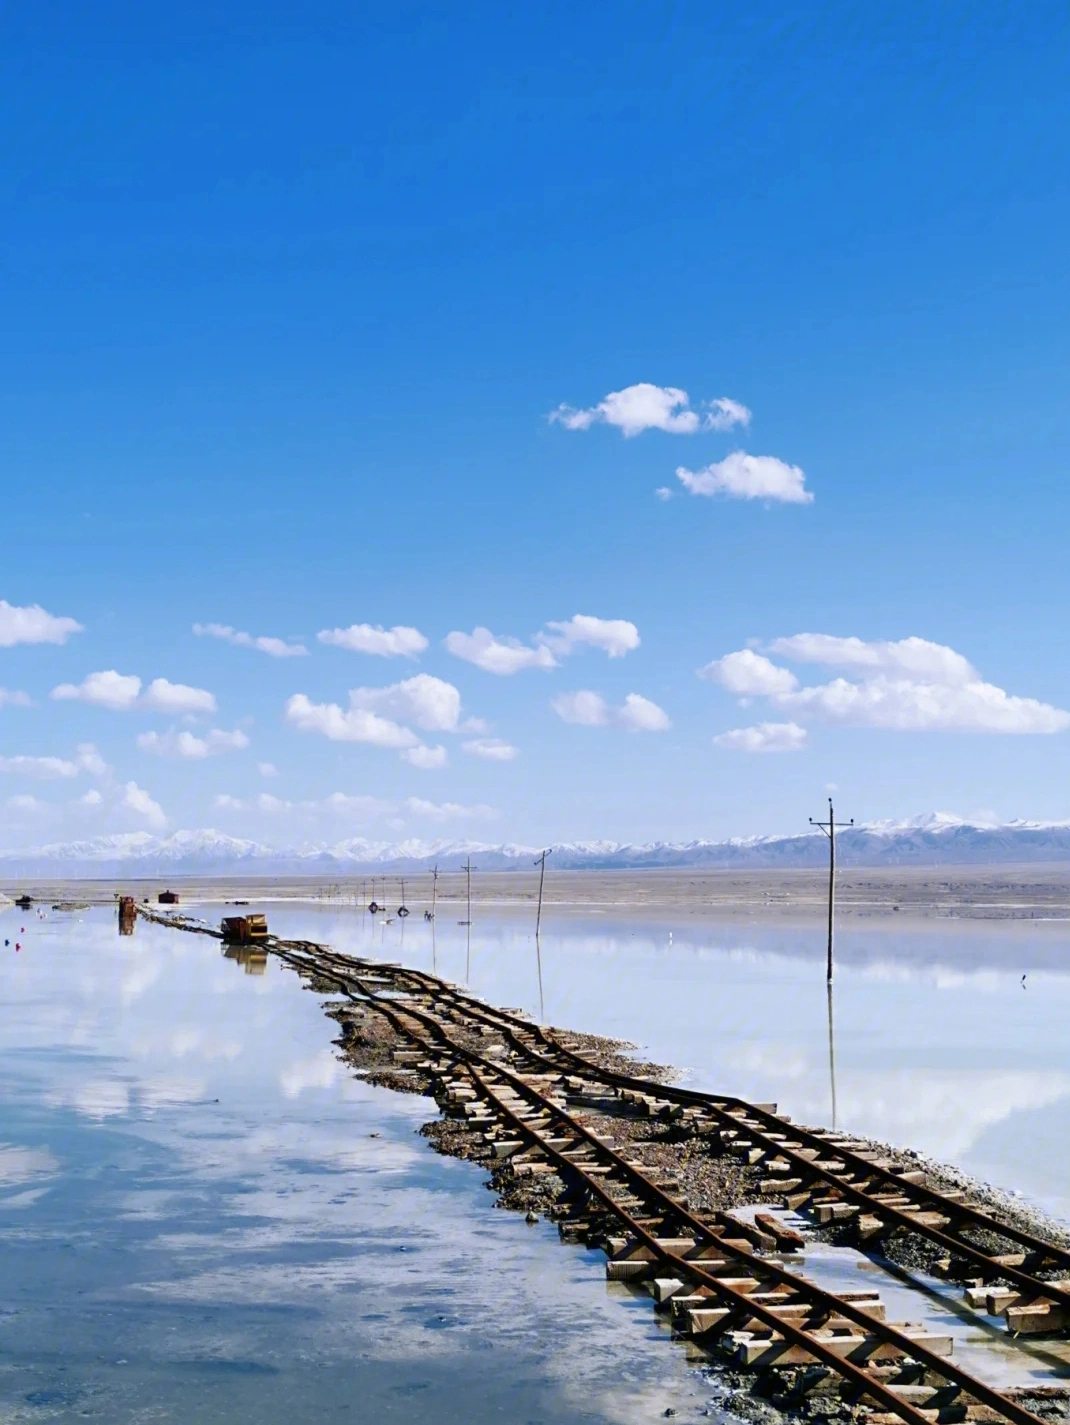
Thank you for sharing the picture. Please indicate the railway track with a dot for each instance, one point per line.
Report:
(727, 1284)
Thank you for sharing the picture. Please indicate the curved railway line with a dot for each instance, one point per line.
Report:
(727, 1284)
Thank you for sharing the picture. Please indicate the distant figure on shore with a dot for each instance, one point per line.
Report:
(1023, 982)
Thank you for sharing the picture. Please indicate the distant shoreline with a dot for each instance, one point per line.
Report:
(1033, 893)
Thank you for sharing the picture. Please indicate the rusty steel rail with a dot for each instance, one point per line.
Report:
(759, 1123)
(822, 1303)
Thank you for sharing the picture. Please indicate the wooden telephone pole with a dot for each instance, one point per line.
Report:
(829, 828)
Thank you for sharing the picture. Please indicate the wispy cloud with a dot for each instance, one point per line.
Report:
(33, 624)
(396, 642)
(741, 476)
(15, 698)
(87, 759)
(361, 810)
(587, 709)
(645, 406)
(491, 749)
(273, 647)
(615, 636)
(428, 759)
(764, 737)
(185, 744)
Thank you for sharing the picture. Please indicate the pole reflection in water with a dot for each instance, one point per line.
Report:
(538, 967)
(832, 1054)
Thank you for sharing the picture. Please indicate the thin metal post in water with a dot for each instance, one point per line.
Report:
(541, 862)
(829, 828)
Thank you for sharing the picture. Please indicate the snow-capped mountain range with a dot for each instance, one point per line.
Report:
(934, 839)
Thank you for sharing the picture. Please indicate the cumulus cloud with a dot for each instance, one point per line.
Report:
(186, 744)
(645, 406)
(615, 636)
(909, 685)
(267, 769)
(765, 737)
(431, 703)
(503, 656)
(163, 696)
(14, 698)
(748, 477)
(397, 642)
(587, 709)
(354, 725)
(33, 624)
(273, 647)
(137, 800)
(427, 758)
(916, 657)
(491, 749)
(121, 691)
(108, 689)
(747, 673)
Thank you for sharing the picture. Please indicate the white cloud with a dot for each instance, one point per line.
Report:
(645, 406)
(41, 768)
(186, 744)
(361, 808)
(498, 655)
(639, 714)
(91, 799)
(616, 636)
(492, 749)
(396, 642)
(906, 706)
(136, 799)
(120, 691)
(88, 759)
(428, 758)
(356, 725)
(431, 703)
(747, 673)
(908, 685)
(724, 413)
(274, 647)
(163, 696)
(109, 689)
(663, 493)
(765, 737)
(748, 477)
(505, 656)
(23, 802)
(33, 624)
(916, 657)
(14, 698)
(267, 769)
(587, 709)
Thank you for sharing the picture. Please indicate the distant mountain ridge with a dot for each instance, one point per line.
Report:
(935, 839)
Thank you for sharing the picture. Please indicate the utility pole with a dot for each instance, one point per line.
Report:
(541, 862)
(468, 868)
(829, 828)
(434, 890)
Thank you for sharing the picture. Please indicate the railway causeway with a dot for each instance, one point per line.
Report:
(549, 1117)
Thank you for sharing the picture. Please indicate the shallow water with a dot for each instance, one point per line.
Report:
(938, 1046)
(204, 1218)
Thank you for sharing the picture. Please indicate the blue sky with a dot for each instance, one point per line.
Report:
(289, 301)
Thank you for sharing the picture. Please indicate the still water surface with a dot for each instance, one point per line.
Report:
(204, 1217)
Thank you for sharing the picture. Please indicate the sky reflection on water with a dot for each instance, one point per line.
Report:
(938, 1045)
(205, 1217)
